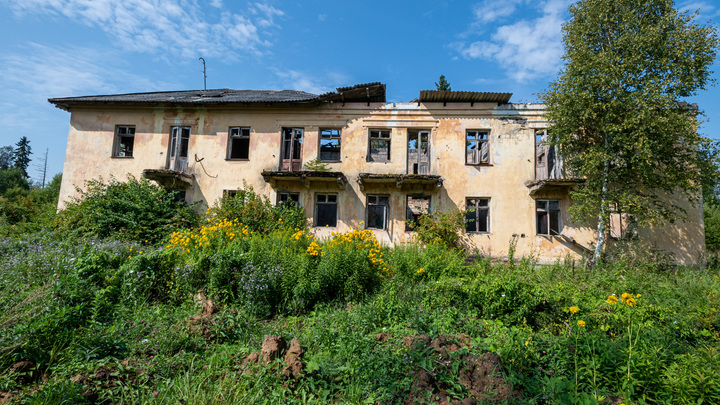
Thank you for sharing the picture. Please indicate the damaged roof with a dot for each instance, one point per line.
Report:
(447, 96)
(369, 92)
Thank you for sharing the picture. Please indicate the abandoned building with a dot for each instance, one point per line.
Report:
(388, 162)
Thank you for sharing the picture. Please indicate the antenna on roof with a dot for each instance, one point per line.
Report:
(204, 73)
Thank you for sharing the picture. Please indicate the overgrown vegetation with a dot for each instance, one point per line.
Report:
(116, 319)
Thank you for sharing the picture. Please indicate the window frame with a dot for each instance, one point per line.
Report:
(326, 202)
(478, 145)
(547, 212)
(239, 137)
(229, 193)
(289, 194)
(330, 137)
(476, 208)
(374, 200)
(117, 141)
(379, 138)
(409, 215)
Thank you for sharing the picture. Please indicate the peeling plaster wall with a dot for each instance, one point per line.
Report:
(503, 180)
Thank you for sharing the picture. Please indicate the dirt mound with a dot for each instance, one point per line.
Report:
(273, 347)
(26, 372)
(201, 322)
(480, 375)
(103, 379)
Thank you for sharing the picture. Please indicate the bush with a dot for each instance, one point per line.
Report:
(257, 213)
(134, 210)
(442, 228)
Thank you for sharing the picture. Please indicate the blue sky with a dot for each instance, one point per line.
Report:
(61, 48)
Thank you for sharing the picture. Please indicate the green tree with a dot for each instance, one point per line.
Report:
(6, 157)
(21, 155)
(443, 84)
(616, 109)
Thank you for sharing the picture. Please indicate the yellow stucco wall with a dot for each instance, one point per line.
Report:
(512, 165)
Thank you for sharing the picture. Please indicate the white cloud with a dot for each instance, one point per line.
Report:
(322, 83)
(705, 11)
(164, 27)
(491, 10)
(527, 49)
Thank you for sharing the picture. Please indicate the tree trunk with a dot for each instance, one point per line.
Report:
(601, 217)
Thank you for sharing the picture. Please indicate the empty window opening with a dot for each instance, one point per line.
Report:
(230, 193)
(477, 215)
(418, 152)
(124, 141)
(379, 148)
(477, 147)
(548, 217)
(330, 145)
(238, 143)
(288, 199)
(326, 208)
(377, 211)
(416, 207)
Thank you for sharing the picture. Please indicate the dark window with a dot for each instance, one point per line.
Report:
(229, 193)
(417, 206)
(379, 149)
(124, 141)
(377, 211)
(288, 199)
(239, 143)
(548, 217)
(477, 148)
(183, 134)
(330, 145)
(477, 216)
(418, 152)
(180, 196)
(326, 210)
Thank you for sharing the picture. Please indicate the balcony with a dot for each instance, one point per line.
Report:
(305, 177)
(400, 180)
(550, 175)
(170, 179)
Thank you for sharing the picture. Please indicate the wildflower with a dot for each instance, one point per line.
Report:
(155, 393)
(574, 310)
(420, 271)
(638, 296)
(630, 301)
(612, 300)
(581, 324)
(625, 297)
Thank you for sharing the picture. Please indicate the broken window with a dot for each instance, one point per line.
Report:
(417, 206)
(292, 140)
(379, 148)
(477, 215)
(326, 208)
(377, 211)
(477, 147)
(124, 141)
(230, 193)
(179, 142)
(623, 226)
(238, 143)
(418, 152)
(547, 160)
(330, 145)
(288, 199)
(548, 217)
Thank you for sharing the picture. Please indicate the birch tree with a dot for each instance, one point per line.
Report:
(617, 109)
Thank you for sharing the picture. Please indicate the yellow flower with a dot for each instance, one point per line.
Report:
(612, 300)
(638, 296)
(420, 271)
(574, 310)
(581, 324)
(625, 297)
(630, 301)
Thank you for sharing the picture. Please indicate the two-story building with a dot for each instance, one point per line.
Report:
(388, 162)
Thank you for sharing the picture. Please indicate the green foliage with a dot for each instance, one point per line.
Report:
(25, 210)
(443, 228)
(257, 213)
(12, 178)
(132, 210)
(442, 84)
(712, 226)
(616, 107)
(6, 157)
(316, 165)
(21, 155)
